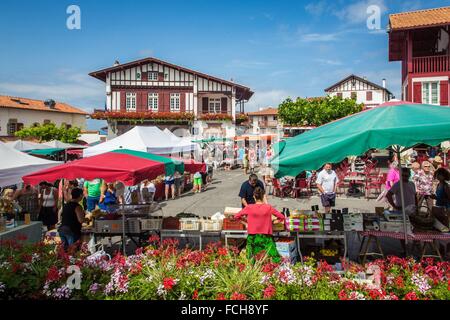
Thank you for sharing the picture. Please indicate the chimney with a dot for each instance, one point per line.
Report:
(384, 83)
(50, 103)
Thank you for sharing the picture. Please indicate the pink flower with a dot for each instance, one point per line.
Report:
(238, 296)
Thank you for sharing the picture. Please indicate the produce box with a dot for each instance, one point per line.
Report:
(287, 248)
(304, 224)
(333, 222)
(232, 224)
(211, 225)
(190, 224)
(394, 226)
(353, 222)
(151, 224)
(171, 223)
(132, 225)
(230, 211)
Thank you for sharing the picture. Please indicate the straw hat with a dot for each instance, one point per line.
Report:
(438, 159)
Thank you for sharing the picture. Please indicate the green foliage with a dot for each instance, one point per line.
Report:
(317, 111)
(48, 132)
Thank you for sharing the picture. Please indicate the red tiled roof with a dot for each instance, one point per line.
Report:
(421, 18)
(32, 104)
(264, 112)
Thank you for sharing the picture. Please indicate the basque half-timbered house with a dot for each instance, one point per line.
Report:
(360, 89)
(420, 40)
(169, 96)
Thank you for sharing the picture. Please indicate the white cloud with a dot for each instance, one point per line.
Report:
(77, 89)
(263, 99)
(319, 37)
(328, 62)
(357, 12)
(316, 8)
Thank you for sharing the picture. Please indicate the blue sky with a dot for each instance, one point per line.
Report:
(278, 48)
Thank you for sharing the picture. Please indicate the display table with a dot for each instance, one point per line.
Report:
(32, 232)
(427, 239)
(338, 235)
(188, 234)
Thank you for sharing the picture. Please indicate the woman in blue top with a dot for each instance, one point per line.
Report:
(442, 195)
(108, 197)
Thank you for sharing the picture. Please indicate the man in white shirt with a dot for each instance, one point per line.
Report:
(326, 183)
(409, 192)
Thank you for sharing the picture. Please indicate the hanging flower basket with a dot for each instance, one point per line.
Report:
(144, 116)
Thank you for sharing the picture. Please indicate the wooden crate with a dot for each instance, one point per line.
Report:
(232, 224)
(190, 224)
(171, 223)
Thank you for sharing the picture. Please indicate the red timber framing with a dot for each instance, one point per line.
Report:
(424, 51)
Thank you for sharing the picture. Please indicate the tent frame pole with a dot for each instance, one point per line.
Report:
(124, 242)
(402, 197)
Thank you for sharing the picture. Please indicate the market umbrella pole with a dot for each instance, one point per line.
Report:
(124, 244)
(402, 198)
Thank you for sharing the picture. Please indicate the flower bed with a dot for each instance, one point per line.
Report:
(164, 272)
(215, 117)
(144, 116)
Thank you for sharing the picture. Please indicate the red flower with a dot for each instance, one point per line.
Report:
(241, 266)
(238, 296)
(169, 283)
(342, 295)
(154, 239)
(399, 282)
(53, 274)
(448, 285)
(220, 296)
(269, 267)
(195, 295)
(139, 251)
(411, 296)
(269, 292)
(222, 251)
(136, 269)
(27, 258)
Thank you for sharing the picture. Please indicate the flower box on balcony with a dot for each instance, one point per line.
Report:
(145, 116)
(216, 117)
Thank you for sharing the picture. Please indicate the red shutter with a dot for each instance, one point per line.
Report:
(144, 76)
(182, 102)
(123, 101)
(417, 92)
(224, 105)
(160, 76)
(369, 95)
(205, 102)
(138, 102)
(444, 93)
(166, 102)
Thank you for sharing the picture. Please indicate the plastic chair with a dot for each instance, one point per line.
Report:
(301, 185)
(278, 190)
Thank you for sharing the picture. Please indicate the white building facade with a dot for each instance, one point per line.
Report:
(362, 90)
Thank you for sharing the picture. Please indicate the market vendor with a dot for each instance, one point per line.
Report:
(259, 226)
(73, 217)
(248, 189)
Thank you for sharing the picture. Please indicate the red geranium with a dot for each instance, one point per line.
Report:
(195, 295)
(169, 283)
(53, 274)
(222, 251)
(220, 296)
(411, 296)
(399, 282)
(269, 292)
(238, 296)
(342, 295)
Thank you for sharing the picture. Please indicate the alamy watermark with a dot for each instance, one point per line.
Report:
(73, 21)
(74, 280)
(373, 21)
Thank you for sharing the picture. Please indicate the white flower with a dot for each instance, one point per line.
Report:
(421, 282)
(35, 257)
(182, 296)
(161, 291)
(2, 287)
(207, 275)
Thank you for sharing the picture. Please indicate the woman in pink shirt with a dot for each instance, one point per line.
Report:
(393, 176)
(259, 229)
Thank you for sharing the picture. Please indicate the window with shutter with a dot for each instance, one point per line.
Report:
(368, 95)
(205, 105)
(224, 103)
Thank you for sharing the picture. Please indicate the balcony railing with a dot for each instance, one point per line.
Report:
(267, 123)
(431, 64)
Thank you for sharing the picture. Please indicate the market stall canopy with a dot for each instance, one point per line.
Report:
(192, 166)
(129, 168)
(14, 164)
(378, 128)
(46, 152)
(25, 145)
(145, 139)
(171, 165)
(62, 145)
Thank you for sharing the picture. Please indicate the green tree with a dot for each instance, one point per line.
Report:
(316, 111)
(48, 132)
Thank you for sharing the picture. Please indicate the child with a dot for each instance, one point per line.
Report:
(197, 182)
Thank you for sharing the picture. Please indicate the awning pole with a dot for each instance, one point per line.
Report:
(124, 242)
(402, 197)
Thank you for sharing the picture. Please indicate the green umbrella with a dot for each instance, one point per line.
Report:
(399, 124)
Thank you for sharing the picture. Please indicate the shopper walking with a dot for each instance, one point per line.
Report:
(48, 200)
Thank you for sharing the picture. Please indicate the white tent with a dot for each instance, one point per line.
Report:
(25, 145)
(146, 139)
(15, 164)
(62, 145)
